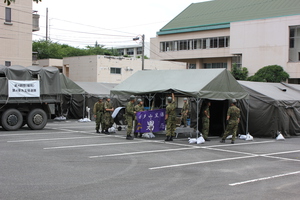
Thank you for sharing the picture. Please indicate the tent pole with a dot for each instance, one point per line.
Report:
(247, 120)
(197, 130)
(83, 110)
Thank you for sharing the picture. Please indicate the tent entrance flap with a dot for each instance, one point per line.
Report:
(217, 117)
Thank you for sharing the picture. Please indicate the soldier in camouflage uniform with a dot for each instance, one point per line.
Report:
(205, 120)
(138, 108)
(130, 116)
(184, 112)
(108, 120)
(98, 111)
(170, 118)
(233, 119)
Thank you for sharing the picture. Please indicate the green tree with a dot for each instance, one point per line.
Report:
(239, 73)
(13, 1)
(49, 49)
(271, 73)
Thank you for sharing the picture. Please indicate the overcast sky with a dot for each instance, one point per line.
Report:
(111, 23)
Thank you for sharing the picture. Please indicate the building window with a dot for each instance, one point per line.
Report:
(8, 15)
(7, 63)
(292, 37)
(114, 70)
(183, 45)
(213, 42)
(215, 65)
(191, 44)
(192, 66)
(130, 51)
(139, 50)
(294, 44)
(237, 60)
(197, 44)
(121, 52)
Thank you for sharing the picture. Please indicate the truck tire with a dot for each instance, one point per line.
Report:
(37, 119)
(11, 119)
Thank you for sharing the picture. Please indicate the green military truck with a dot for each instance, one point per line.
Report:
(28, 95)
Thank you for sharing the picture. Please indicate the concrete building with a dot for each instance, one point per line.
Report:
(18, 21)
(110, 69)
(249, 33)
(134, 50)
(58, 63)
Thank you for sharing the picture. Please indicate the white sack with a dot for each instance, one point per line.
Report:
(249, 137)
(200, 140)
(280, 137)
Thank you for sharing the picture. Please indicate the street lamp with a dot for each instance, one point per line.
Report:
(143, 47)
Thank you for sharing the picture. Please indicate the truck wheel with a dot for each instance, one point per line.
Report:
(11, 119)
(37, 119)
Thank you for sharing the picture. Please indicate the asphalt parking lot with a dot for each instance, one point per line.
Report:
(68, 160)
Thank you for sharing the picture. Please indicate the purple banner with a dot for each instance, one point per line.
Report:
(150, 121)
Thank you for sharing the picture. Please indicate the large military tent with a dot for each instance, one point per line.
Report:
(272, 107)
(94, 90)
(198, 84)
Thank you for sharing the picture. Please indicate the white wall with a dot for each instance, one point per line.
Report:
(16, 39)
(97, 68)
(262, 42)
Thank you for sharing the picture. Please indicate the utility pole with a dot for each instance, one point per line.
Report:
(143, 48)
(46, 24)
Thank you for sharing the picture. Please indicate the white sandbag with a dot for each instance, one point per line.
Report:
(112, 130)
(151, 135)
(280, 137)
(249, 137)
(229, 137)
(148, 135)
(200, 140)
(192, 140)
(145, 135)
(61, 118)
(84, 120)
(243, 137)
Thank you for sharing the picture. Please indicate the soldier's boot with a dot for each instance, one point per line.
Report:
(129, 137)
(97, 131)
(232, 142)
(222, 141)
(135, 135)
(167, 138)
(171, 138)
(141, 134)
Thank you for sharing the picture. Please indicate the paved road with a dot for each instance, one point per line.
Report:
(68, 160)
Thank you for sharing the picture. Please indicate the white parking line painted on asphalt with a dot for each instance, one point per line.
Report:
(50, 139)
(280, 158)
(138, 152)
(229, 151)
(201, 162)
(91, 145)
(239, 144)
(283, 152)
(251, 155)
(265, 178)
(189, 147)
(25, 134)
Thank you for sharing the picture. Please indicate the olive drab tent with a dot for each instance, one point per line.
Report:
(272, 107)
(198, 84)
